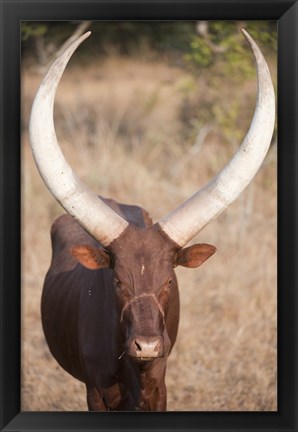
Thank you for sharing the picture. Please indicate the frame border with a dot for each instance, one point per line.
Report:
(14, 11)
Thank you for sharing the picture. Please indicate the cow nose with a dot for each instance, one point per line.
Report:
(146, 348)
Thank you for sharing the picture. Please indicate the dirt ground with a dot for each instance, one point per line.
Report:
(119, 126)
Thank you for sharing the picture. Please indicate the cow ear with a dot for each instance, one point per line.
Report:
(91, 257)
(195, 255)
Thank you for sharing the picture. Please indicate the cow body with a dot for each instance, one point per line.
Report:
(81, 321)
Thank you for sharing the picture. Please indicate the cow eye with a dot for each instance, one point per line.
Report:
(170, 280)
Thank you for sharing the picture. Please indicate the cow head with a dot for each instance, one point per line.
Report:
(143, 261)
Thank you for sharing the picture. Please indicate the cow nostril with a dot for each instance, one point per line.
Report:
(139, 348)
(157, 346)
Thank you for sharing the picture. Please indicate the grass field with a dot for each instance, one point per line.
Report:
(120, 125)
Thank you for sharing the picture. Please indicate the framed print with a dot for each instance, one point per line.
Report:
(150, 108)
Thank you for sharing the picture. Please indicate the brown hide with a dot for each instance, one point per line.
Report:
(114, 327)
(80, 314)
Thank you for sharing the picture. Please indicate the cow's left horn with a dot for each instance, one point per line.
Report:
(188, 219)
(91, 212)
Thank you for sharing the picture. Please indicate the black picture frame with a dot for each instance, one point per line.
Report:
(12, 13)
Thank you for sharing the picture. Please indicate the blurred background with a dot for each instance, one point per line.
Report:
(146, 113)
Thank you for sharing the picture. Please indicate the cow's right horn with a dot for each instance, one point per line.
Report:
(91, 212)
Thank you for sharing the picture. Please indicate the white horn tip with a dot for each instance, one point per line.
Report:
(248, 37)
(85, 36)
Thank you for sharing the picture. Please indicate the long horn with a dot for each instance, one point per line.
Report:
(194, 214)
(99, 220)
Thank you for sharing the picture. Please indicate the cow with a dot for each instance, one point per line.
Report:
(110, 301)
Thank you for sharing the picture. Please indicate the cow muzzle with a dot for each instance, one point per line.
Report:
(143, 348)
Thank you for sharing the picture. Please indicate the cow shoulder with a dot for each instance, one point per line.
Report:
(66, 232)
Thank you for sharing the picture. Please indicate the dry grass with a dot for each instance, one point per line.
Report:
(119, 126)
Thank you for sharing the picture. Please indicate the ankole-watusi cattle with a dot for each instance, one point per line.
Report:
(110, 303)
